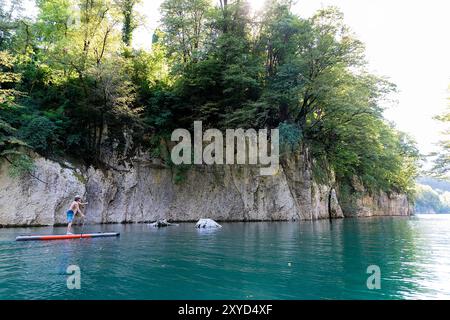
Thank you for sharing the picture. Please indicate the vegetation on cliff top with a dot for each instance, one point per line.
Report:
(84, 89)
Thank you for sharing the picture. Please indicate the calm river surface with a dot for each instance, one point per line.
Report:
(267, 260)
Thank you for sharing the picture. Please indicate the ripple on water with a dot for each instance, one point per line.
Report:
(286, 260)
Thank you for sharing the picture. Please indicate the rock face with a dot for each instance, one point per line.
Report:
(143, 193)
(29, 201)
(381, 204)
(334, 207)
(364, 204)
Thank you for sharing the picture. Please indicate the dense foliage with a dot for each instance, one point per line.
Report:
(86, 90)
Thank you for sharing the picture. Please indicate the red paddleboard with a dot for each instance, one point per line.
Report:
(67, 236)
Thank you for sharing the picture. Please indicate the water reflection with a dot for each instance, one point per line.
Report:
(278, 260)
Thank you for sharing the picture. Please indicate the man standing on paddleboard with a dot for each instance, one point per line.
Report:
(73, 210)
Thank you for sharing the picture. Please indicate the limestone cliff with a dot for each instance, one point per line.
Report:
(143, 192)
(363, 204)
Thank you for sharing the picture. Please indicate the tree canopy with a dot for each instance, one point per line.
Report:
(87, 91)
(441, 159)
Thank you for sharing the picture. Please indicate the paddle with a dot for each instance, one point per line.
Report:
(82, 225)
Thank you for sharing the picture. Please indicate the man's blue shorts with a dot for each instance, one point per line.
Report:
(70, 215)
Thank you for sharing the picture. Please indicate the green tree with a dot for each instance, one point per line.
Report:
(9, 19)
(441, 166)
(80, 78)
(184, 23)
(11, 148)
(91, 94)
(129, 19)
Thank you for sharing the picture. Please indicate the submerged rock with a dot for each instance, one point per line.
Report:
(207, 223)
(161, 223)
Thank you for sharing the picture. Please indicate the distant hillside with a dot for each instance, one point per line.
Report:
(433, 195)
(443, 185)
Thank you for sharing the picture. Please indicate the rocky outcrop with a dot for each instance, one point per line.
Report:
(207, 224)
(161, 224)
(383, 204)
(38, 200)
(334, 208)
(144, 192)
(362, 203)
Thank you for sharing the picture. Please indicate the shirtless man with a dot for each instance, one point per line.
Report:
(73, 210)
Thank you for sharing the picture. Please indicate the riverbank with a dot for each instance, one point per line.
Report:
(79, 222)
(143, 191)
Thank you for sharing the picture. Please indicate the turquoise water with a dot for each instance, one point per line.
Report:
(268, 260)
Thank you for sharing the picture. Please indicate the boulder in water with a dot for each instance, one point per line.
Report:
(207, 223)
(161, 223)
